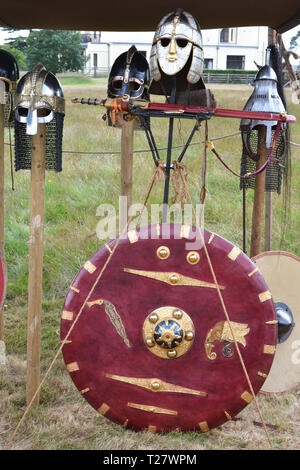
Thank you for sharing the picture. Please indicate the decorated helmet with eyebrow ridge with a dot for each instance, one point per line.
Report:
(177, 38)
(129, 76)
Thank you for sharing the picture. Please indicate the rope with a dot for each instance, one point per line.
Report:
(116, 111)
(137, 151)
(147, 193)
(204, 162)
(224, 307)
(179, 189)
(117, 152)
(11, 160)
(263, 167)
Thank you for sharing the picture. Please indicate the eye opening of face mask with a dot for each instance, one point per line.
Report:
(43, 115)
(182, 42)
(117, 83)
(135, 84)
(165, 42)
(41, 112)
(23, 112)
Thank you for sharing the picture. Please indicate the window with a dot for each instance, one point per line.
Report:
(232, 35)
(208, 63)
(95, 60)
(224, 36)
(235, 62)
(96, 36)
(228, 35)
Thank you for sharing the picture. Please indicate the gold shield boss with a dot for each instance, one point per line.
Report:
(177, 38)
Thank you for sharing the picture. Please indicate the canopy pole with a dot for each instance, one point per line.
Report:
(272, 37)
(35, 262)
(1, 204)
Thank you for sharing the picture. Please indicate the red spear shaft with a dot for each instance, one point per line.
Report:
(133, 106)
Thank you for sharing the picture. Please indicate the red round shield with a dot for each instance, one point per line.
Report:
(149, 345)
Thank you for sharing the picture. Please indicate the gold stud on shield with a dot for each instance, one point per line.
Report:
(168, 332)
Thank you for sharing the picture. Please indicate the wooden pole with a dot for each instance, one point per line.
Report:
(259, 195)
(268, 221)
(126, 168)
(272, 34)
(2, 204)
(35, 262)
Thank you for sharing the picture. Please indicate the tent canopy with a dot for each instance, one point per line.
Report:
(120, 15)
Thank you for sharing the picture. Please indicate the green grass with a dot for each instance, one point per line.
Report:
(74, 79)
(64, 420)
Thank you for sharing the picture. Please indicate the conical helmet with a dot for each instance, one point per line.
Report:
(265, 98)
(39, 95)
(39, 99)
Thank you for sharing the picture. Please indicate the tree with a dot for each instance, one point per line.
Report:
(294, 40)
(15, 42)
(18, 55)
(58, 51)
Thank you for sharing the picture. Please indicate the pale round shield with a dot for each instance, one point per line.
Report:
(281, 271)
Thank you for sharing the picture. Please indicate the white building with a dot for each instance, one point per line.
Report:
(227, 48)
(235, 48)
(102, 48)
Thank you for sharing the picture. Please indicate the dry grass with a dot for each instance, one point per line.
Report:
(64, 420)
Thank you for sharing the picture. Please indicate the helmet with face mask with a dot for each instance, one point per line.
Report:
(129, 76)
(9, 75)
(39, 99)
(129, 79)
(176, 51)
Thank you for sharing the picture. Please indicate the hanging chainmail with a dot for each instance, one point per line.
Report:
(54, 137)
(274, 171)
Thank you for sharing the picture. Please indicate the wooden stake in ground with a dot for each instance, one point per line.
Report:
(2, 196)
(126, 168)
(259, 195)
(268, 221)
(35, 262)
